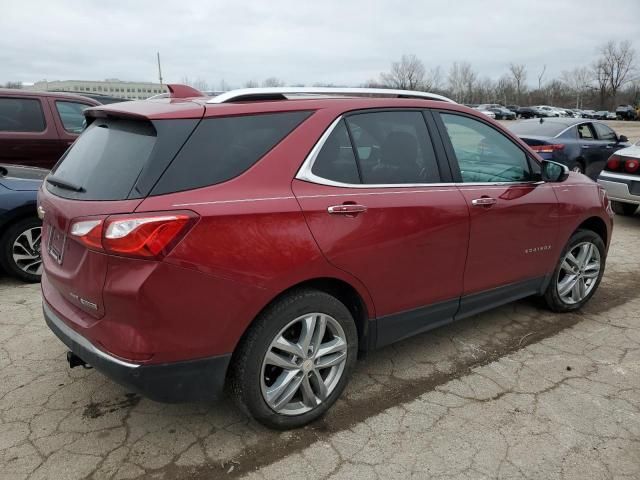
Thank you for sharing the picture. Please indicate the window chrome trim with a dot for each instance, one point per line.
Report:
(305, 174)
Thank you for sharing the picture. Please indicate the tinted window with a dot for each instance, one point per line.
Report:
(393, 147)
(547, 128)
(605, 133)
(21, 115)
(585, 131)
(483, 153)
(336, 160)
(223, 148)
(71, 115)
(106, 159)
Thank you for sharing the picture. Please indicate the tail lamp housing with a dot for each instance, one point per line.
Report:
(616, 163)
(550, 148)
(142, 235)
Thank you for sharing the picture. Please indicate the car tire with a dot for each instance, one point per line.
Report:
(625, 209)
(556, 295)
(257, 385)
(578, 167)
(22, 239)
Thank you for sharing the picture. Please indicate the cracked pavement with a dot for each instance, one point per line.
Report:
(516, 392)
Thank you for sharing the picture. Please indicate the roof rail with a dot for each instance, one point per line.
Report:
(282, 93)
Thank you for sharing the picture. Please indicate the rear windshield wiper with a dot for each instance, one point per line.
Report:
(64, 184)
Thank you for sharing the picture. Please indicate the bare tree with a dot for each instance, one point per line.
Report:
(15, 85)
(519, 74)
(544, 69)
(251, 84)
(578, 81)
(407, 74)
(433, 80)
(462, 79)
(272, 82)
(616, 64)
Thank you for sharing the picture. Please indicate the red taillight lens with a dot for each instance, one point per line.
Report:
(144, 236)
(632, 165)
(88, 232)
(613, 163)
(136, 235)
(547, 148)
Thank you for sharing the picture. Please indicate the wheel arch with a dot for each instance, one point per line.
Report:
(597, 225)
(345, 293)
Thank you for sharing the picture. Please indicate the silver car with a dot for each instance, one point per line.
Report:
(621, 179)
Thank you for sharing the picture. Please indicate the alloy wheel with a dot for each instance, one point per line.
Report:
(579, 272)
(303, 364)
(25, 251)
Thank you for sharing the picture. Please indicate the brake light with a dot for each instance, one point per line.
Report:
(136, 235)
(88, 232)
(632, 165)
(613, 163)
(144, 236)
(547, 148)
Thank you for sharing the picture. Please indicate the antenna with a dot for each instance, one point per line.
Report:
(159, 69)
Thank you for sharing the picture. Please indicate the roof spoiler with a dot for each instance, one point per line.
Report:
(178, 90)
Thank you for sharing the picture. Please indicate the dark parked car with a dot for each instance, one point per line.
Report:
(531, 112)
(37, 127)
(513, 108)
(306, 229)
(626, 112)
(582, 146)
(20, 226)
(503, 113)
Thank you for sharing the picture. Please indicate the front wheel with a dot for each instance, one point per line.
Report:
(578, 273)
(20, 250)
(295, 360)
(621, 208)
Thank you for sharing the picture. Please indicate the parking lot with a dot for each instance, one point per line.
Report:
(513, 393)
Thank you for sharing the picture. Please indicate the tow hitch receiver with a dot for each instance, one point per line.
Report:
(75, 361)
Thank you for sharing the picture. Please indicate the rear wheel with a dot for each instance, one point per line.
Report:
(20, 250)
(578, 167)
(622, 208)
(295, 360)
(578, 273)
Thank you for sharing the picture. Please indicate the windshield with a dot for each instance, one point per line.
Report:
(544, 129)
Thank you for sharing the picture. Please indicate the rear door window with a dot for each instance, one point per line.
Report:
(71, 115)
(585, 131)
(393, 147)
(224, 147)
(21, 115)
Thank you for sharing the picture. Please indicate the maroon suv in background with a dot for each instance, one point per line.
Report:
(37, 127)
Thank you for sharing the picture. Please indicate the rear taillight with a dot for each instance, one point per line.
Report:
(616, 163)
(613, 163)
(632, 165)
(547, 148)
(135, 235)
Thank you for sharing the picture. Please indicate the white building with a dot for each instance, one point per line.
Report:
(111, 86)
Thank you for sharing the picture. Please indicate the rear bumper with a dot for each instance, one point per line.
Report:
(193, 380)
(621, 187)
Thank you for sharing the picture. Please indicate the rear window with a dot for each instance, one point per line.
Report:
(545, 129)
(21, 115)
(222, 148)
(106, 160)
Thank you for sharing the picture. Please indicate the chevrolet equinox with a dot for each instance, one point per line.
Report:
(259, 240)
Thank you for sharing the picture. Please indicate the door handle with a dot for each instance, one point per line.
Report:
(484, 202)
(347, 209)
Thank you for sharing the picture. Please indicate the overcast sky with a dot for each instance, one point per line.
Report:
(343, 42)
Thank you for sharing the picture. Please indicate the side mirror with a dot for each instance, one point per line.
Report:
(554, 172)
(623, 138)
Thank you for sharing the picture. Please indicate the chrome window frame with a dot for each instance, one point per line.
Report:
(305, 171)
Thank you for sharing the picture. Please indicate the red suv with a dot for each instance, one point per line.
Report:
(260, 239)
